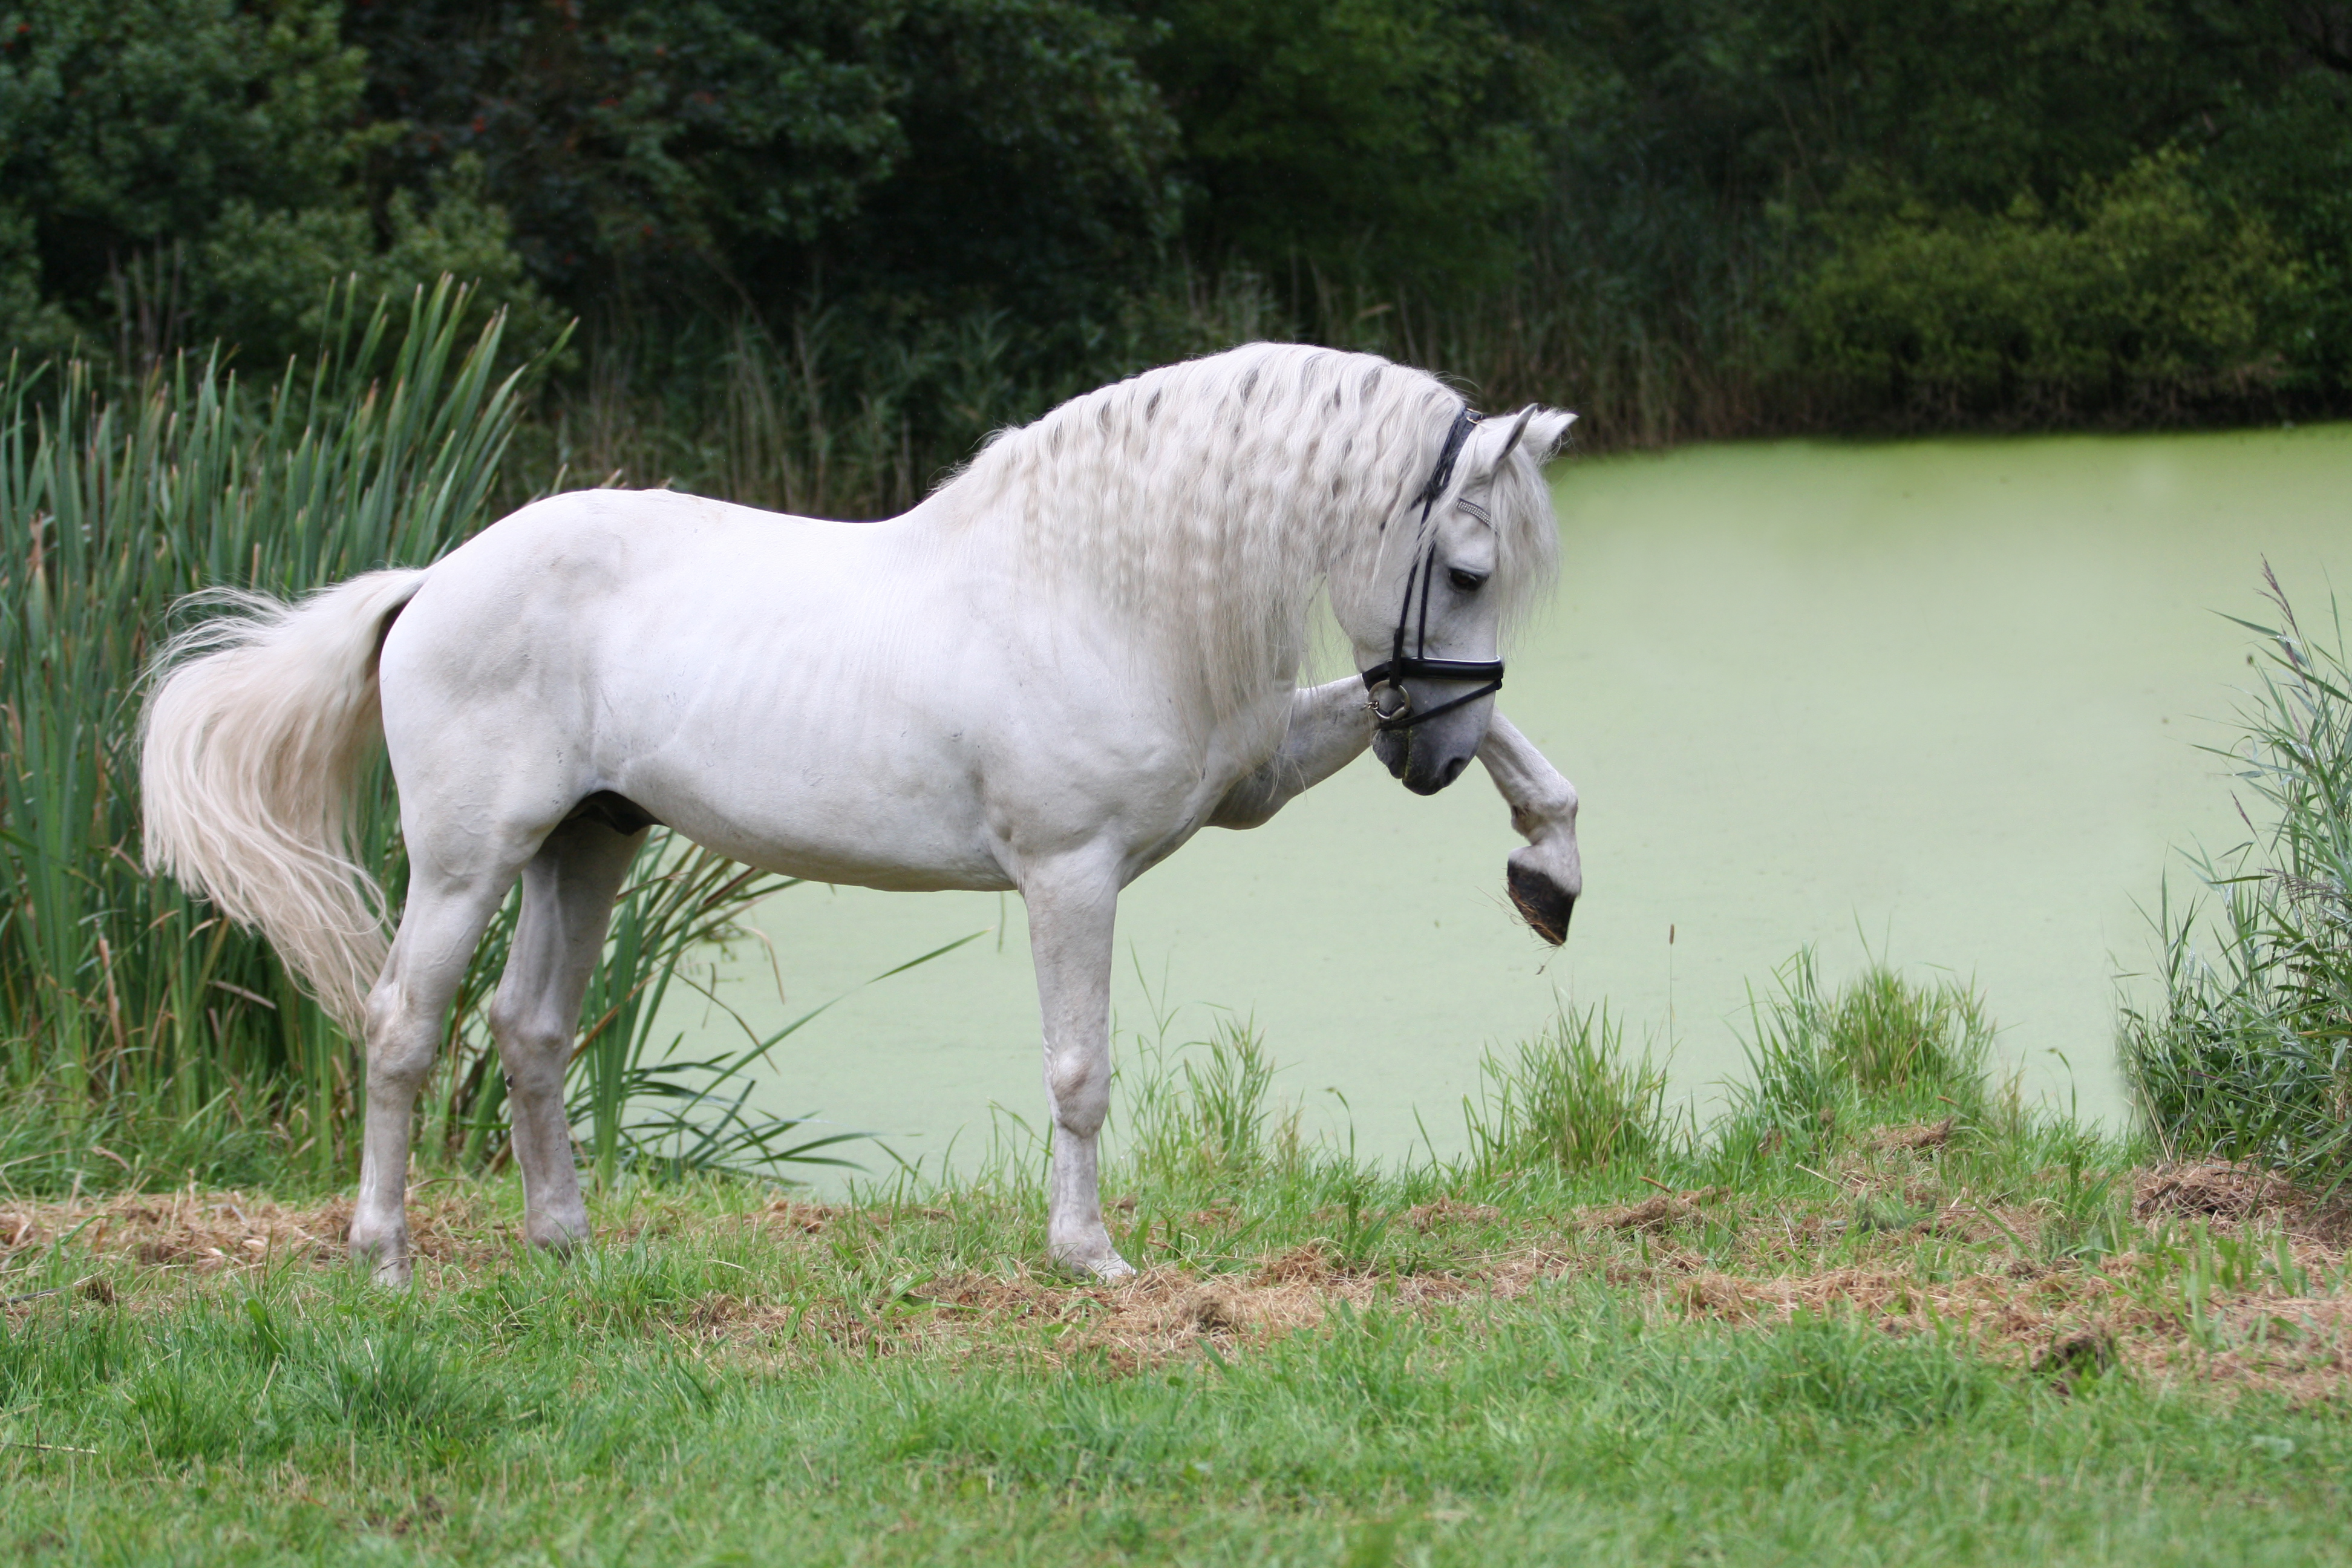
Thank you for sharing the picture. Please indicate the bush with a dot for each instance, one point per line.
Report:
(1375, 139)
(2139, 295)
(2249, 1053)
(173, 171)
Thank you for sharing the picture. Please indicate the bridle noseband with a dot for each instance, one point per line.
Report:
(1393, 671)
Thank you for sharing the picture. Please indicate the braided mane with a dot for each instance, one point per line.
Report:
(1209, 502)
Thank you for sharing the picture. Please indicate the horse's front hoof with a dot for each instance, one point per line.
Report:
(1103, 1264)
(387, 1266)
(1543, 903)
(383, 1253)
(562, 1237)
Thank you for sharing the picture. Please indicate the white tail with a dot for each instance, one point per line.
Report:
(259, 724)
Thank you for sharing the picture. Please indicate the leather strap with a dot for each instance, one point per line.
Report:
(1399, 666)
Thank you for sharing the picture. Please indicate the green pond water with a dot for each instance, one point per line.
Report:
(1936, 700)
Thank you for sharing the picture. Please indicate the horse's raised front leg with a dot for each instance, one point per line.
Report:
(1070, 917)
(568, 890)
(444, 920)
(1330, 725)
(1547, 876)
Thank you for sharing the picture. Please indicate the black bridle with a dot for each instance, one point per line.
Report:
(1398, 666)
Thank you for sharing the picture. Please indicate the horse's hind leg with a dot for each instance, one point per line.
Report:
(568, 890)
(446, 914)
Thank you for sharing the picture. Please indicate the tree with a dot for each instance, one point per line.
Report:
(208, 158)
(1387, 141)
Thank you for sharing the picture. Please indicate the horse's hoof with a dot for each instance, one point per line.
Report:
(384, 1255)
(1105, 1265)
(389, 1270)
(555, 1236)
(1542, 903)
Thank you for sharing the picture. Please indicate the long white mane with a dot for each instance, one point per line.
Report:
(1209, 502)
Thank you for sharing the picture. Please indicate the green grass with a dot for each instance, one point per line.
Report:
(719, 1391)
(1568, 1098)
(534, 1417)
(1844, 1348)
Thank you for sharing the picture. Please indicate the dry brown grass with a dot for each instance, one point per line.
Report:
(2222, 1189)
(207, 1232)
(1656, 1215)
(1915, 1138)
(1959, 1271)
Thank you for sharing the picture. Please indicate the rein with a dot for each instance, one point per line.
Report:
(1399, 666)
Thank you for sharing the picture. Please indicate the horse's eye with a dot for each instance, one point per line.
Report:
(1468, 582)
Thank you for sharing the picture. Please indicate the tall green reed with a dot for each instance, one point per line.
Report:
(826, 411)
(2249, 1052)
(129, 1010)
(384, 448)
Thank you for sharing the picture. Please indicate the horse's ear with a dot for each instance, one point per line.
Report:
(1544, 429)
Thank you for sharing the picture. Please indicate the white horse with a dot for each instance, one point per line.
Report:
(1048, 676)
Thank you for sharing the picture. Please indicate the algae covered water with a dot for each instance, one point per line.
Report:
(1940, 701)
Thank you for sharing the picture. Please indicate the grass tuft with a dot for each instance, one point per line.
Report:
(1814, 1052)
(1205, 1108)
(1569, 1099)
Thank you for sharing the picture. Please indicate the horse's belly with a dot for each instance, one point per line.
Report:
(845, 790)
(872, 839)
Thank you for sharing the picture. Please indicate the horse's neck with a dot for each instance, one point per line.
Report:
(988, 546)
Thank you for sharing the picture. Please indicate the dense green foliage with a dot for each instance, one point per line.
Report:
(1683, 216)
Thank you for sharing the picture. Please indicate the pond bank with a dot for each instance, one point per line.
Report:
(1941, 697)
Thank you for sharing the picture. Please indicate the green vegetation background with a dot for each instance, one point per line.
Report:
(820, 246)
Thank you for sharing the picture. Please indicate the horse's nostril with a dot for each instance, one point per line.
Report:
(1454, 768)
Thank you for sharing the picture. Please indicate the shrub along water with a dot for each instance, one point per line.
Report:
(2248, 1054)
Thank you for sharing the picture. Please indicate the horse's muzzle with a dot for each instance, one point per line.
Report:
(1423, 761)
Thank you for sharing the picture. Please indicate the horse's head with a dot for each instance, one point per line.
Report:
(1428, 630)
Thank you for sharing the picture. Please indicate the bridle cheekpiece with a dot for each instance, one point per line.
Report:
(1401, 665)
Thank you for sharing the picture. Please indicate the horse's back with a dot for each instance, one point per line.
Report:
(765, 684)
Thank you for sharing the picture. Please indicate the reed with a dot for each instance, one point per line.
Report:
(2248, 1054)
(128, 1011)
(829, 411)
